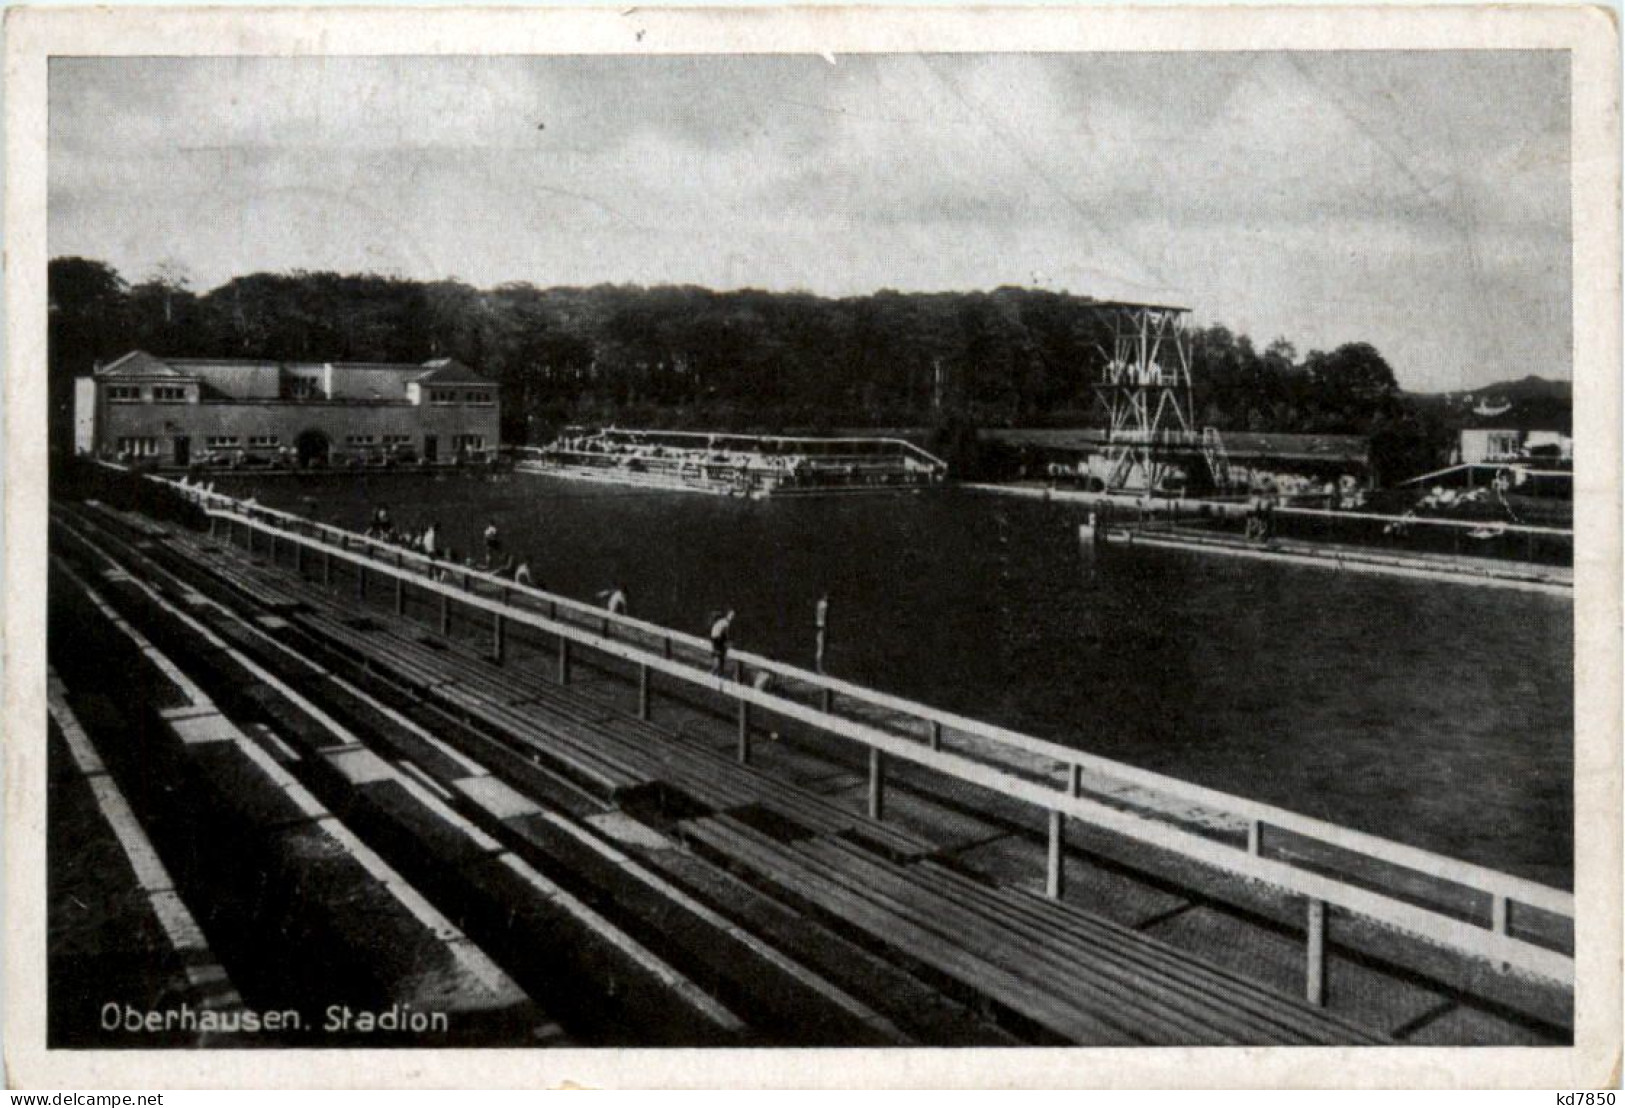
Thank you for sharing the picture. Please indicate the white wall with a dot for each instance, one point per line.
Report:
(84, 415)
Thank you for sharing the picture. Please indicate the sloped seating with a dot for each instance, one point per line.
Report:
(1083, 979)
(608, 752)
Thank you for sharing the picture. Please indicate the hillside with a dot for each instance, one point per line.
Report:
(1511, 392)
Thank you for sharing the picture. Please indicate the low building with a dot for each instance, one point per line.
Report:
(186, 411)
(1537, 431)
(1254, 460)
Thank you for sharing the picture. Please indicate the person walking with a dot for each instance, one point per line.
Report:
(721, 627)
(821, 625)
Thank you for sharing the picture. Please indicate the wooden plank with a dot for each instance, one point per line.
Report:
(1084, 927)
(1177, 1014)
(925, 945)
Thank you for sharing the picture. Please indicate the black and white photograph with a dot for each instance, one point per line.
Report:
(917, 547)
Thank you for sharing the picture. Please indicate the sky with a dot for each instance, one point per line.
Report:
(1418, 201)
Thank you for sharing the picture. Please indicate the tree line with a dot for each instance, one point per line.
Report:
(741, 360)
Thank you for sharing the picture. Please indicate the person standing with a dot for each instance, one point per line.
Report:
(615, 600)
(821, 624)
(493, 543)
(721, 627)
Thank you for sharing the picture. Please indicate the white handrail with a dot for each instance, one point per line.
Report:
(1424, 861)
(1502, 888)
(1429, 521)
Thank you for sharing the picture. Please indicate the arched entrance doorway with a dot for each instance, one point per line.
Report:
(312, 447)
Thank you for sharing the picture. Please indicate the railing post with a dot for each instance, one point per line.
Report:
(666, 645)
(214, 523)
(445, 616)
(250, 538)
(936, 735)
(327, 568)
(1077, 780)
(400, 595)
(826, 699)
(564, 660)
(1255, 837)
(361, 581)
(643, 692)
(497, 636)
(1498, 913)
(1315, 971)
(877, 783)
(744, 732)
(273, 548)
(299, 558)
(1055, 872)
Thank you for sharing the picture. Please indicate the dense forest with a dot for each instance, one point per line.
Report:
(747, 359)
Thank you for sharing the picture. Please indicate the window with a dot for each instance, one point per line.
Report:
(303, 388)
(169, 394)
(1503, 444)
(139, 447)
(468, 442)
(222, 442)
(264, 440)
(397, 440)
(477, 397)
(442, 396)
(124, 394)
(359, 440)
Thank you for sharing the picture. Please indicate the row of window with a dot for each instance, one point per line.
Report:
(146, 446)
(454, 396)
(301, 389)
(387, 440)
(227, 442)
(131, 394)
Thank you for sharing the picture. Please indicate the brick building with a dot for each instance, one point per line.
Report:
(180, 411)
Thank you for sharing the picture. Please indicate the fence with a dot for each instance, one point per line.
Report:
(1428, 534)
(1407, 534)
(1464, 907)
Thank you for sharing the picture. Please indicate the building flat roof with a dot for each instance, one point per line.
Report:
(139, 363)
